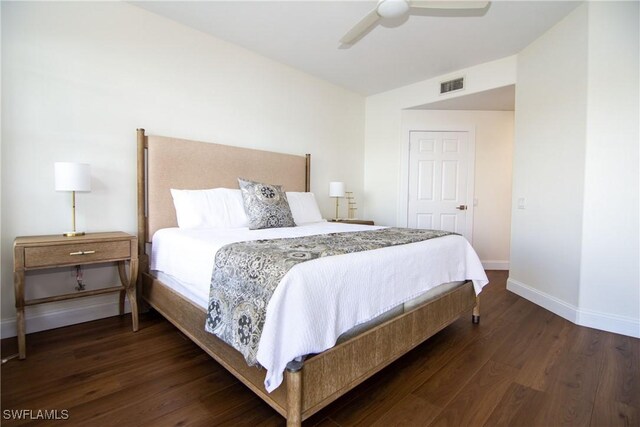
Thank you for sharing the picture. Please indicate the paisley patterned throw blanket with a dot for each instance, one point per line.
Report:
(246, 274)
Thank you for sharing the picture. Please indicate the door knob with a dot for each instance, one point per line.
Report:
(462, 207)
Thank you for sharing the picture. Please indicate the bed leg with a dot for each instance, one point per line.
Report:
(294, 394)
(475, 317)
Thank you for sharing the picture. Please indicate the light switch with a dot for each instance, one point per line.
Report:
(522, 203)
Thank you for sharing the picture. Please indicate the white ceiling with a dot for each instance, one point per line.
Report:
(305, 34)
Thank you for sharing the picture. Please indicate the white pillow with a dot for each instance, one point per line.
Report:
(304, 208)
(212, 208)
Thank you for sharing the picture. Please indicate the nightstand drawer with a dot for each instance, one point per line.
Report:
(77, 253)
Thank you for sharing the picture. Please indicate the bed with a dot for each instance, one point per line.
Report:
(310, 384)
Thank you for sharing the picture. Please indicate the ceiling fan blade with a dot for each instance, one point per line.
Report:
(419, 4)
(361, 27)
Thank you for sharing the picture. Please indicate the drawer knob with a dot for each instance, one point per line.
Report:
(82, 253)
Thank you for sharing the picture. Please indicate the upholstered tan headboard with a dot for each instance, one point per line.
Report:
(165, 163)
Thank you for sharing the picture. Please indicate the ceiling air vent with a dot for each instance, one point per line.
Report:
(451, 85)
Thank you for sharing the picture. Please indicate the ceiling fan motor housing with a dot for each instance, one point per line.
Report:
(392, 8)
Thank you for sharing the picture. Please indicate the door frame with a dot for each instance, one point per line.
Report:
(403, 199)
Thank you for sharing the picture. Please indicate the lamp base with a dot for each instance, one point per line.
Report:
(73, 233)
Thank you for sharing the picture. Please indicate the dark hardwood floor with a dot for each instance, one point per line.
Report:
(522, 366)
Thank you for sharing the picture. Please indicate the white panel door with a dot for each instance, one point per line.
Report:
(438, 172)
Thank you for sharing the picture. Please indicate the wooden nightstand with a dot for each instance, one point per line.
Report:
(353, 221)
(34, 252)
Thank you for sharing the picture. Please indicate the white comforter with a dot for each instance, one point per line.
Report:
(318, 300)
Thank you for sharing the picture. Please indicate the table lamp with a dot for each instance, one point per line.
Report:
(73, 177)
(336, 189)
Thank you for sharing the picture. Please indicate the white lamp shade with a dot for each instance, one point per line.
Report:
(72, 176)
(336, 189)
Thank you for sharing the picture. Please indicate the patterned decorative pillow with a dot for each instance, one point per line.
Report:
(266, 205)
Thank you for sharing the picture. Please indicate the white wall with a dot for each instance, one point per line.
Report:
(609, 275)
(383, 131)
(494, 150)
(79, 78)
(574, 249)
(548, 164)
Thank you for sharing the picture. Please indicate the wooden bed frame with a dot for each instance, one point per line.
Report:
(308, 386)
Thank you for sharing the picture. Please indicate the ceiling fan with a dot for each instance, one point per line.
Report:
(398, 8)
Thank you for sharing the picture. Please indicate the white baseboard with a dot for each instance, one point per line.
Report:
(62, 317)
(610, 322)
(551, 303)
(592, 319)
(495, 265)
